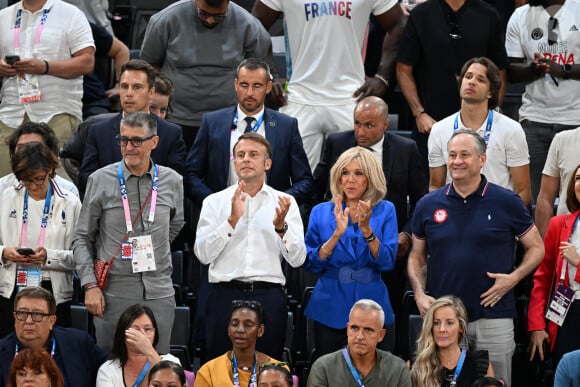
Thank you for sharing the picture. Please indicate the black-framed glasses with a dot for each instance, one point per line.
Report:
(454, 32)
(37, 181)
(22, 315)
(253, 305)
(552, 31)
(217, 17)
(137, 142)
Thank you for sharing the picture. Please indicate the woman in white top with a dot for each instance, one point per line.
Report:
(133, 352)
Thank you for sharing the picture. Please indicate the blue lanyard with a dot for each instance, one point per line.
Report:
(44, 221)
(52, 351)
(487, 133)
(125, 200)
(236, 374)
(142, 374)
(459, 367)
(353, 371)
(254, 129)
(565, 262)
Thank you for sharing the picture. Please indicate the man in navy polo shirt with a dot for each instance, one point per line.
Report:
(470, 227)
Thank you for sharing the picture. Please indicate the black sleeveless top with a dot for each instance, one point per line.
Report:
(475, 366)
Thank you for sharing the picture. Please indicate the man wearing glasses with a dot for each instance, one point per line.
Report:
(136, 87)
(132, 211)
(440, 36)
(543, 43)
(198, 45)
(74, 351)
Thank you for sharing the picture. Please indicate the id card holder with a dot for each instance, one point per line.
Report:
(126, 251)
(560, 303)
(143, 255)
(28, 277)
(29, 89)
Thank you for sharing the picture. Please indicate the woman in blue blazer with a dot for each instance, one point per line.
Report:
(350, 241)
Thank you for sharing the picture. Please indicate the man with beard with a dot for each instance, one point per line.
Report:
(542, 43)
(202, 54)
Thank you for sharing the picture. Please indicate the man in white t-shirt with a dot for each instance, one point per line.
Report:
(562, 161)
(507, 151)
(326, 53)
(542, 43)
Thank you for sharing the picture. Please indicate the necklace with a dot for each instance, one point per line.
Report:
(245, 368)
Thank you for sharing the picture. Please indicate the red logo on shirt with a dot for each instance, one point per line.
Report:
(440, 216)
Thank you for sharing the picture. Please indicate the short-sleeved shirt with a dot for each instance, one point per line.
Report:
(437, 58)
(527, 33)
(325, 42)
(507, 147)
(468, 237)
(563, 158)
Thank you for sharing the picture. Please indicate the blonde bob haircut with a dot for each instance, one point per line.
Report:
(377, 184)
(425, 371)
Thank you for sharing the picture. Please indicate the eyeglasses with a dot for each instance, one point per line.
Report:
(37, 181)
(137, 142)
(217, 17)
(22, 315)
(254, 305)
(454, 32)
(552, 33)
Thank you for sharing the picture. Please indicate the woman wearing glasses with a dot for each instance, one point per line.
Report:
(133, 352)
(37, 223)
(242, 364)
(350, 241)
(440, 360)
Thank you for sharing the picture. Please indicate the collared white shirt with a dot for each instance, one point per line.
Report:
(65, 32)
(252, 251)
(378, 150)
(237, 132)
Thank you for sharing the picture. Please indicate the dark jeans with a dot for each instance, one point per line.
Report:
(539, 137)
(568, 338)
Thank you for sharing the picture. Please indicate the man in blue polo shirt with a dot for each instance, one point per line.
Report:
(470, 227)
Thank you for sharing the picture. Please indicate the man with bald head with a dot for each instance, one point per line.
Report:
(405, 176)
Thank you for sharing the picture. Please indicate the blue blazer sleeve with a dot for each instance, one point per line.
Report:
(197, 164)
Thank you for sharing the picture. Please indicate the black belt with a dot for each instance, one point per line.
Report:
(248, 286)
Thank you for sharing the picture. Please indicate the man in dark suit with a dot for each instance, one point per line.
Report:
(74, 351)
(209, 162)
(135, 89)
(402, 167)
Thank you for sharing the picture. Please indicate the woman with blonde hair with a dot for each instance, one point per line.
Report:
(350, 241)
(440, 359)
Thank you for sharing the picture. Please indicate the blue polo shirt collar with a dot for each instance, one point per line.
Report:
(481, 191)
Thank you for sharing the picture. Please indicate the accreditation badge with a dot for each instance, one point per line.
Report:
(143, 255)
(29, 89)
(27, 277)
(560, 304)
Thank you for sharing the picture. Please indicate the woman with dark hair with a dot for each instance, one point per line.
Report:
(133, 352)
(167, 374)
(34, 367)
(37, 224)
(558, 275)
(441, 360)
(241, 365)
(275, 375)
(488, 381)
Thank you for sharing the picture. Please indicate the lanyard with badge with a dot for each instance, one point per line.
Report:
(488, 126)
(253, 130)
(458, 368)
(236, 373)
(355, 374)
(52, 350)
(31, 276)
(563, 296)
(28, 85)
(138, 248)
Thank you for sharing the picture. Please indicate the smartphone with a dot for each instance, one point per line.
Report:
(10, 59)
(25, 251)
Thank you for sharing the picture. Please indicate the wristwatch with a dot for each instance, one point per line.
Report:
(282, 230)
(567, 68)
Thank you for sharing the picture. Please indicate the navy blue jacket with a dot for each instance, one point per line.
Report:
(102, 149)
(208, 161)
(76, 354)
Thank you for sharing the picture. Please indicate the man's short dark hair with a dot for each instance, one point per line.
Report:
(40, 128)
(215, 3)
(480, 146)
(254, 64)
(33, 157)
(493, 75)
(141, 65)
(39, 294)
(257, 138)
(141, 120)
